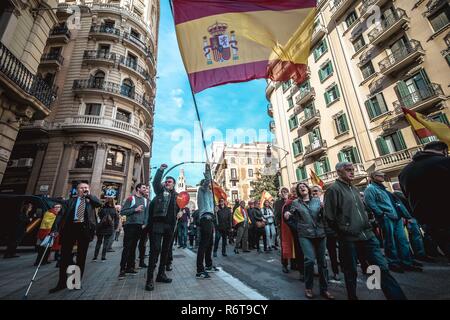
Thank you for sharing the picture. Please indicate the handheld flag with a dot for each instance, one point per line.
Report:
(424, 127)
(316, 180)
(226, 41)
(265, 196)
(219, 193)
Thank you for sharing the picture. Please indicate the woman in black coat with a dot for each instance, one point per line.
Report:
(105, 229)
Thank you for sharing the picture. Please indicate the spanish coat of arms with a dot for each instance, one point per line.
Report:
(221, 46)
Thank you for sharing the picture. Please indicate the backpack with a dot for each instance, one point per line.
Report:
(107, 221)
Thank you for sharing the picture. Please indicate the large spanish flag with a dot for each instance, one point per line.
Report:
(225, 41)
(424, 127)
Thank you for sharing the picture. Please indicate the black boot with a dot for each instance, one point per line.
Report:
(149, 286)
(161, 277)
(169, 267)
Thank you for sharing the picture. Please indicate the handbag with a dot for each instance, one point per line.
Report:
(260, 224)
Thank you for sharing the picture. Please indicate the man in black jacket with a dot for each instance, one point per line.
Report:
(77, 225)
(162, 220)
(224, 225)
(425, 183)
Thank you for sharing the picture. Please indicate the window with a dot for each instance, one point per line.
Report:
(441, 18)
(109, 23)
(249, 160)
(322, 166)
(391, 143)
(301, 174)
(367, 70)
(320, 49)
(127, 88)
(331, 95)
(297, 147)
(233, 183)
(92, 109)
(440, 117)
(358, 43)
(250, 173)
(341, 123)
(49, 78)
(135, 34)
(286, 85)
(304, 88)
(137, 12)
(85, 157)
(55, 51)
(326, 71)
(376, 106)
(233, 174)
(115, 160)
(234, 195)
(98, 79)
(349, 155)
(351, 18)
(123, 115)
(105, 48)
(293, 123)
(310, 110)
(315, 138)
(290, 103)
(131, 61)
(414, 89)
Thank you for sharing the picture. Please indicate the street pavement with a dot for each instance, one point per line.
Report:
(247, 276)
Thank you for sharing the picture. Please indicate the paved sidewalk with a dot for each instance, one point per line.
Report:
(100, 281)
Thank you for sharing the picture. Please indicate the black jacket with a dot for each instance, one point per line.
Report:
(163, 209)
(277, 207)
(425, 183)
(107, 229)
(90, 219)
(225, 219)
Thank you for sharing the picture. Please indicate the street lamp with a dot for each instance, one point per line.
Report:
(269, 152)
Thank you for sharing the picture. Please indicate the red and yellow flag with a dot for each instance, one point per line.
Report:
(316, 180)
(225, 41)
(424, 127)
(219, 193)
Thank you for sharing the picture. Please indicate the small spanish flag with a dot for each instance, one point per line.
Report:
(316, 180)
(225, 41)
(424, 127)
(265, 196)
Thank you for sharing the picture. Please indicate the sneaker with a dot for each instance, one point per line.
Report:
(203, 275)
(103, 259)
(94, 259)
(132, 272)
(163, 278)
(149, 286)
(169, 267)
(224, 254)
(215, 254)
(122, 275)
(212, 269)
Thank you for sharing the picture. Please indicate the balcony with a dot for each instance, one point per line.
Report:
(64, 10)
(367, 4)
(136, 43)
(95, 86)
(305, 96)
(318, 34)
(388, 27)
(339, 8)
(317, 147)
(272, 126)
(105, 32)
(134, 67)
(310, 118)
(55, 60)
(396, 160)
(59, 34)
(401, 58)
(270, 110)
(360, 174)
(99, 57)
(112, 126)
(18, 79)
(421, 99)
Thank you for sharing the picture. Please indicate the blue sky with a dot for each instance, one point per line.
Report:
(235, 106)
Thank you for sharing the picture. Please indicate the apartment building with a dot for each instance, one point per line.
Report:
(368, 60)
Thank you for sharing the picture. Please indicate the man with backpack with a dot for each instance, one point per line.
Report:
(135, 209)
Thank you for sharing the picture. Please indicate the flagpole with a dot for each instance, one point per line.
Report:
(201, 129)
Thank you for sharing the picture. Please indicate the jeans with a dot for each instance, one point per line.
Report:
(182, 234)
(206, 244)
(161, 240)
(371, 248)
(105, 238)
(314, 249)
(132, 232)
(270, 234)
(416, 239)
(220, 234)
(396, 245)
